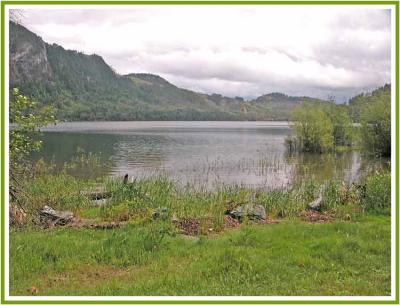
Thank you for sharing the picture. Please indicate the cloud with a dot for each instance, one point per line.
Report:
(240, 50)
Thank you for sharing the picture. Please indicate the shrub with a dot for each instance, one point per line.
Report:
(377, 197)
(27, 120)
(313, 128)
(376, 123)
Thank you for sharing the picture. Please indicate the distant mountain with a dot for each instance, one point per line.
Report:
(84, 87)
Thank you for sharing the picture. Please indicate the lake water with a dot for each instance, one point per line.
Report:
(203, 154)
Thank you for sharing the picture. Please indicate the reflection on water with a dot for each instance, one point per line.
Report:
(201, 153)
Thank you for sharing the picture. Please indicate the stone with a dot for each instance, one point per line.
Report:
(52, 217)
(250, 211)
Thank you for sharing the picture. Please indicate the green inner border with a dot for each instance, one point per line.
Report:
(199, 2)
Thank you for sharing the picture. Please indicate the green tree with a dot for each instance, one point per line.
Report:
(313, 128)
(375, 125)
(341, 123)
(26, 120)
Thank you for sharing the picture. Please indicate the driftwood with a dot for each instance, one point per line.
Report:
(51, 217)
(96, 193)
(99, 192)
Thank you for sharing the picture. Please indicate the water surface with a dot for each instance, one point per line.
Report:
(200, 153)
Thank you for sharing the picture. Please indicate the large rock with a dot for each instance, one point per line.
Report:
(52, 217)
(250, 211)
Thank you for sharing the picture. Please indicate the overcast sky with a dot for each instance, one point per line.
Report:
(233, 50)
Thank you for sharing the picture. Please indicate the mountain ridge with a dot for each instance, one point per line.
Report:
(85, 87)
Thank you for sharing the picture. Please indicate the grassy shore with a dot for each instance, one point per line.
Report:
(347, 254)
(289, 258)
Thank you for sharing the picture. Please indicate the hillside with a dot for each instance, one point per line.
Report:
(84, 87)
(358, 102)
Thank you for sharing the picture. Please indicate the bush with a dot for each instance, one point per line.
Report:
(375, 126)
(343, 133)
(27, 119)
(377, 197)
(313, 128)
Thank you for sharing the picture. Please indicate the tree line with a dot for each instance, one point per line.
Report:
(326, 126)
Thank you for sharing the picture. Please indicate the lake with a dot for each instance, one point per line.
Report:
(202, 154)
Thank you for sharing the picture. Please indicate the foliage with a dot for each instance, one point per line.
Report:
(27, 120)
(372, 110)
(313, 128)
(358, 102)
(376, 123)
(342, 126)
(377, 197)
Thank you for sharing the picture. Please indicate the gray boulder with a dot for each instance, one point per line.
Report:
(250, 211)
(52, 217)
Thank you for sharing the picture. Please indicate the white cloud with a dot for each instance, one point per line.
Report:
(233, 50)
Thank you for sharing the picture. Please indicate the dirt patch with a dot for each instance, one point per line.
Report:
(314, 216)
(188, 226)
(84, 276)
(230, 222)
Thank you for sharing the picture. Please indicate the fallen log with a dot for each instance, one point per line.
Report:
(96, 193)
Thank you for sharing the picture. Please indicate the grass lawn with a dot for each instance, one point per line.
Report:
(289, 258)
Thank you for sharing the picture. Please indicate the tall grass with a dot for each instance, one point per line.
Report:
(139, 200)
(377, 197)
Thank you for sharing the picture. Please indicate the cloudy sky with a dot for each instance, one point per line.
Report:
(233, 50)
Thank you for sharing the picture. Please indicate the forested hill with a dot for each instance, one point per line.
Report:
(84, 87)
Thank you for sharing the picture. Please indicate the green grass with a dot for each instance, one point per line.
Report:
(289, 258)
(147, 256)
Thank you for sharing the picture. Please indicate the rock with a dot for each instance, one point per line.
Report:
(316, 204)
(52, 217)
(250, 211)
(17, 215)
